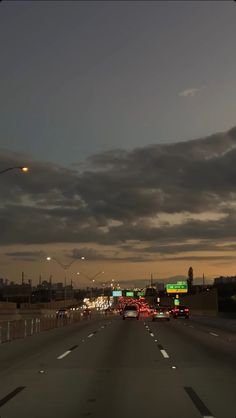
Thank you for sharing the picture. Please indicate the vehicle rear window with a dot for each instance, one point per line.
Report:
(131, 308)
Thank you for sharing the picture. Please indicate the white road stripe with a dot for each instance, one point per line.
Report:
(207, 416)
(64, 355)
(164, 353)
(151, 334)
(191, 326)
(214, 335)
(90, 335)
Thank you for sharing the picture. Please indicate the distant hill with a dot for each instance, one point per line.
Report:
(145, 282)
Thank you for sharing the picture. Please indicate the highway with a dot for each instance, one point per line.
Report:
(110, 368)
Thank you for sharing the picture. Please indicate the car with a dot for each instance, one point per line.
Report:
(180, 312)
(161, 312)
(131, 311)
(62, 313)
(86, 312)
(151, 309)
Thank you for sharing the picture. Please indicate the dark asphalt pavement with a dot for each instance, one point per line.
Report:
(112, 368)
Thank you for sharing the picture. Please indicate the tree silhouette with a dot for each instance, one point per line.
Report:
(190, 277)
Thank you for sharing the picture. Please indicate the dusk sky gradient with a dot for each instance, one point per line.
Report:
(125, 112)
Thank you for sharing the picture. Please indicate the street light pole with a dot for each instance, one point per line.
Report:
(92, 279)
(65, 267)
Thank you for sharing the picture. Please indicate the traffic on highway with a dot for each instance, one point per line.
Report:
(117, 209)
(130, 358)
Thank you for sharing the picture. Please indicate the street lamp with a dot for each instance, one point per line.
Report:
(65, 267)
(23, 169)
(92, 278)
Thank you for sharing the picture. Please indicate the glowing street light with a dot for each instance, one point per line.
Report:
(21, 168)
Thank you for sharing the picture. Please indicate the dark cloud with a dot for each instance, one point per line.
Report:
(116, 196)
(26, 255)
(93, 255)
(201, 258)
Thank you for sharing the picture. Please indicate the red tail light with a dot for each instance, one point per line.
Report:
(186, 310)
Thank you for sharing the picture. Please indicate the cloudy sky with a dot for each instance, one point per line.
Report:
(126, 114)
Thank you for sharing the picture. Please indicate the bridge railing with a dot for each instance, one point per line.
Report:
(22, 328)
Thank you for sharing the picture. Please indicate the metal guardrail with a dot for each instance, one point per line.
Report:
(22, 328)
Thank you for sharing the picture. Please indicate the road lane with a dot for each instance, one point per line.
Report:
(215, 322)
(22, 350)
(207, 363)
(121, 371)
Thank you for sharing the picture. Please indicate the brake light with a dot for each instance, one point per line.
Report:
(186, 310)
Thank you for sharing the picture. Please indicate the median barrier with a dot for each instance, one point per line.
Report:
(7, 306)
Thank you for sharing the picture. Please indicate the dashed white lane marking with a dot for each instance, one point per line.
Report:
(214, 335)
(191, 326)
(207, 416)
(151, 334)
(164, 353)
(90, 335)
(155, 341)
(64, 355)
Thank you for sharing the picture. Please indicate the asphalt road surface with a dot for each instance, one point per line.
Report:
(110, 368)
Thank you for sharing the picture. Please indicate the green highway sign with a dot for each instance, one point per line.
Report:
(141, 294)
(177, 287)
(176, 302)
(130, 294)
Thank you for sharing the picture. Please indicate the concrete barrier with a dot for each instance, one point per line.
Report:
(7, 306)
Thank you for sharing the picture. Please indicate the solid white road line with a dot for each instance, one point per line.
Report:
(64, 355)
(90, 335)
(164, 353)
(207, 416)
(214, 335)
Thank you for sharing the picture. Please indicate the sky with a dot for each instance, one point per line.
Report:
(125, 114)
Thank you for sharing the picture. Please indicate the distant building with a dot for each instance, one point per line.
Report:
(224, 280)
(16, 292)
